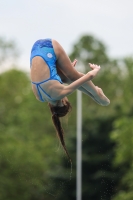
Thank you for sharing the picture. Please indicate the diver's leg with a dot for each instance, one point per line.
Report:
(68, 81)
(65, 65)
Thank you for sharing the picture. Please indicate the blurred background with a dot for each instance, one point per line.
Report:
(33, 165)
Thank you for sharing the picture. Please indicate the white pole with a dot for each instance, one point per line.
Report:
(79, 146)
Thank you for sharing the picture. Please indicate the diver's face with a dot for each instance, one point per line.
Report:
(59, 103)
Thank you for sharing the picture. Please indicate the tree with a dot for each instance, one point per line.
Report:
(8, 52)
(32, 168)
(122, 135)
(99, 175)
(89, 50)
(27, 141)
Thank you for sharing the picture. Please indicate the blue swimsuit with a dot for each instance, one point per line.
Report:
(44, 49)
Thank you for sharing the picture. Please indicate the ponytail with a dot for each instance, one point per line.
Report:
(56, 113)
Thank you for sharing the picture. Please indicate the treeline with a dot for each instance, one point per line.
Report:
(33, 165)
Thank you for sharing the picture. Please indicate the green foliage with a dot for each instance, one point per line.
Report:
(27, 141)
(123, 136)
(89, 50)
(31, 165)
(100, 176)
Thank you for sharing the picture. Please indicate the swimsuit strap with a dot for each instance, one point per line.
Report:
(38, 83)
(38, 86)
(51, 78)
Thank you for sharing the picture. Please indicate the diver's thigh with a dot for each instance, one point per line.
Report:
(63, 77)
(64, 63)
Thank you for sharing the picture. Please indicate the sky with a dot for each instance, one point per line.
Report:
(26, 21)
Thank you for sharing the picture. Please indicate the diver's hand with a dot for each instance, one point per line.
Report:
(94, 66)
(74, 63)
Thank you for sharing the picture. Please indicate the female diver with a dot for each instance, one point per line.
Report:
(50, 68)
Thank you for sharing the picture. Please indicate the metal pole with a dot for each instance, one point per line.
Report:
(79, 146)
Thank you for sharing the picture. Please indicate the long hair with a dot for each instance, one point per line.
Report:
(58, 112)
